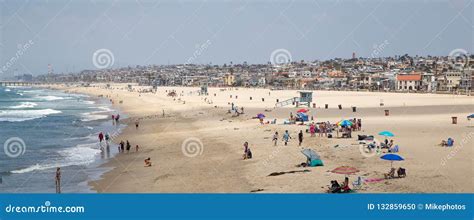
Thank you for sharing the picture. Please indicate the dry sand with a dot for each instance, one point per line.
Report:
(419, 121)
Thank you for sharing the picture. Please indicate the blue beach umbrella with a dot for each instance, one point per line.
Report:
(470, 116)
(387, 134)
(260, 115)
(391, 158)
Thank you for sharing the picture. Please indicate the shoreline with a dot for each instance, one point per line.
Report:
(220, 168)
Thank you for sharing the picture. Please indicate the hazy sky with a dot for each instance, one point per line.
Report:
(66, 33)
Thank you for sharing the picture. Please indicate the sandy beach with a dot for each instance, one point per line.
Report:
(214, 141)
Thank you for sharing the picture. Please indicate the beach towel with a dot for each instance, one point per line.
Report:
(373, 180)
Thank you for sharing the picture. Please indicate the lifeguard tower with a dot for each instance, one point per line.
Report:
(305, 98)
(204, 89)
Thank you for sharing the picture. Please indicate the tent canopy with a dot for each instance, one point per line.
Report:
(311, 154)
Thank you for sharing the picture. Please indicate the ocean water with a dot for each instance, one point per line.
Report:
(42, 129)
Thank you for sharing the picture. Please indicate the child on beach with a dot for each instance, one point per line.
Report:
(247, 152)
(300, 138)
(275, 138)
(148, 162)
(286, 137)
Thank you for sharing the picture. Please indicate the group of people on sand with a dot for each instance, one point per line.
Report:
(115, 119)
(286, 138)
(103, 138)
(323, 129)
(126, 146)
(335, 187)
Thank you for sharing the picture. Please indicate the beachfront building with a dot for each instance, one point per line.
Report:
(229, 79)
(452, 80)
(467, 76)
(428, 82)
(409, 82)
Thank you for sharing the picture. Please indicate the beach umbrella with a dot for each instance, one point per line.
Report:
(386, 134)
(345, 123)
(470, 116)
(260, 115)
(303, 110)
(391, 158)
(345, 170)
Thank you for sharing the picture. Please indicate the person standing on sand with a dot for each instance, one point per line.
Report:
(122, 146)
(286, 137)
(128, 146)
(58, 180)
(300, 138)
(136, 148)
(113, 119)
(137, 123)
(312, 129)
(275, 138)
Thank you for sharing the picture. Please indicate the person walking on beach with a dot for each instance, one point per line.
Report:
(113, 119)
(247, 152)
(107, 139)
(359, 123)
(128, 146)
(300, 138)
(286, 137)
(117, 118)
(101, 137)
(275, 138)
(312, 129)
(58, 180)
(122, 146)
